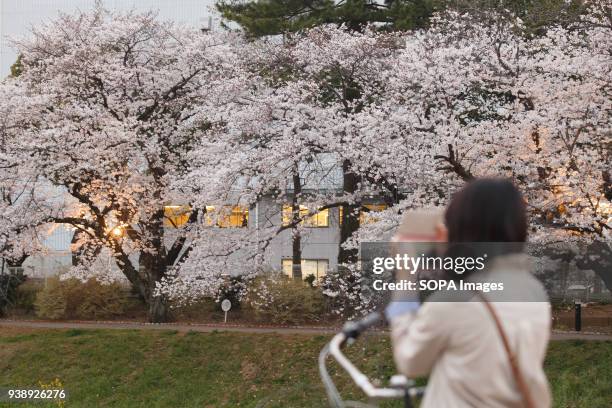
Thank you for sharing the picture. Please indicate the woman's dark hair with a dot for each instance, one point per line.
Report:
(487, 210)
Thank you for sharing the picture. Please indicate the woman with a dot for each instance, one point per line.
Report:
(466, 347)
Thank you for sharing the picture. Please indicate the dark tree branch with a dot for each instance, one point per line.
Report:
(454, 164)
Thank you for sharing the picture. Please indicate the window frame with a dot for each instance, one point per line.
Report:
(303, 260)
(225, 220)
(364, 214)
(183, 216)
(287, 211)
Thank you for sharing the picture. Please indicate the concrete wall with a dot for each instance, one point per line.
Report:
(317, 243)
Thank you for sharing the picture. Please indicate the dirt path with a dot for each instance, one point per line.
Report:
(207, 328)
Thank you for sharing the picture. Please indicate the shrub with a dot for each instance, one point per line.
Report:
(208, 307)
(234, 289)
(199, 310)
(9, 282)
(73, 299)
(25, 297)
(348, 294)
(310, 280)
(51, 302)
(279, 299)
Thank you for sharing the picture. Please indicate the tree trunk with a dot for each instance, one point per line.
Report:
(153, 268)
(154, 265)
(350, 216)
(158, 309)
(296, 254)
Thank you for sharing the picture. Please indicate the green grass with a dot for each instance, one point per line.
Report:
(580, 373)
(109, 368)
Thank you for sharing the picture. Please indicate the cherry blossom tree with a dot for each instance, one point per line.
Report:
(20, 198)
(110, 105)
(494, 102)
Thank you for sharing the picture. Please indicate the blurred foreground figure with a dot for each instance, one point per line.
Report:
(478, 353)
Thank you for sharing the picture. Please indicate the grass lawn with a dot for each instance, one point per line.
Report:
(111, 368)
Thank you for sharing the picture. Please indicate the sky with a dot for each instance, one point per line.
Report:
(18, 16)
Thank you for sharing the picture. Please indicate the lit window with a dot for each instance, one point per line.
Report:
(366, 217)
(227, 216)
(176, 216)
(317, 220)
(316, 267)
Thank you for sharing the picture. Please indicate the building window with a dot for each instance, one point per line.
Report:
(366, 216)
(16, 269)
(316, 267)
(175, 216)
(227, 216)
(317, 220)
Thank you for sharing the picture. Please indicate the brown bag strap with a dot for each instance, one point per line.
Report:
(516, 372)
